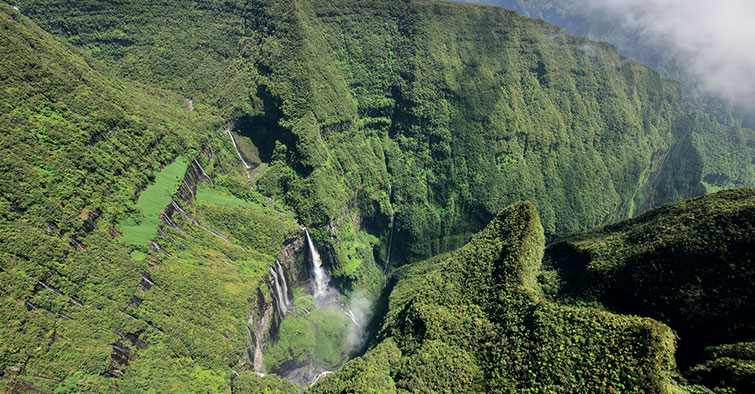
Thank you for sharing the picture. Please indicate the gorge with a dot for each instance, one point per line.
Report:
(417, 196)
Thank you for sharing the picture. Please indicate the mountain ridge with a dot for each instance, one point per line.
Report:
(351, 118)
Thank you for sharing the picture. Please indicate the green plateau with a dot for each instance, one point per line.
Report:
(170, 170)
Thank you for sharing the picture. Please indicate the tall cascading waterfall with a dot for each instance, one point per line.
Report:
(321, 289)
(247, 166)
(238, 152)
(283, 281)
(322, 292)
(328, 300)
(279, 289)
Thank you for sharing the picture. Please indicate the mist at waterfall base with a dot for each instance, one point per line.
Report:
(320, 328)
(358, 307)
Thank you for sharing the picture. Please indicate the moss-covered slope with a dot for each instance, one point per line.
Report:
(462, 109)
(86, 305)
(689, 265)
(473, 321)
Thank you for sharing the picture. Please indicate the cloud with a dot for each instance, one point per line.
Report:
(714, 40)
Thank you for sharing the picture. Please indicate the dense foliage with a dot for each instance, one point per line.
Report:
(461, 109)
(594, 20)
(79, 146)
(117, 274)
(687, 264)
(474, 321)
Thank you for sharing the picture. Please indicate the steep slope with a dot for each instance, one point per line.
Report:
(460, 109)
(599, 21)
(362, 119)
(689, 265)
(88, 302)
(478, 320)
(473, 321)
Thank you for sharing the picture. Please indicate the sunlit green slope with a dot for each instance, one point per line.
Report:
(462, 109)
(489, 318)
(86, 305)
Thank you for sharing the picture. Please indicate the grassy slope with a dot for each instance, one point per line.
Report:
(464, 109)
(473, 321)
(143, 227)
(687, 264)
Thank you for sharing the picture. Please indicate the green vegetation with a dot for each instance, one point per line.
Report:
(142, 227)
(473, 321)
(457, 110)
(688, 265)
(320, 338)
(80, 310)
(248, 382)
(210, 196)
(462, 109)
(596, 22)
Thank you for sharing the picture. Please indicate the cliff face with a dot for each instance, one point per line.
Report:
(489, 318)
(425, 115)
(463, 109)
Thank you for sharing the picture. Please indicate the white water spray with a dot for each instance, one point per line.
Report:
(280, 299)
(351, 316)
(279, 289)
(321, 290)
(313, 254)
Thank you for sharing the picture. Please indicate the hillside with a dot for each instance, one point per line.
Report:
(597, 21)
(462, 109)
(686, 264)
(489, 318)
(164, 165)
(84, 298)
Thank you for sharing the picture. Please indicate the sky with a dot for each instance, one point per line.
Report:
(714, 39)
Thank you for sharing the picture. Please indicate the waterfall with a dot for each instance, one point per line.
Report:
(238, 152)
(320, 289)
(159, 249)
(196, 223)
(316, 260)
(281, 297)
(318, 377)
(283, 281)
(350, 314)
(204, 174)
(275, 293)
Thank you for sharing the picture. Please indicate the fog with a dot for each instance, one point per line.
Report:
(714, 40)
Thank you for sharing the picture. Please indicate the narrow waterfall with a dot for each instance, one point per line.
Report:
(159, 249)
(281, 296)
(351, 316)
(238, 152)
(196, 223)
(321, 289)
(204, 174)
(283, 281)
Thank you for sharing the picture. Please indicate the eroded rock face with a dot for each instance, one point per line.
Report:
(264, 320)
